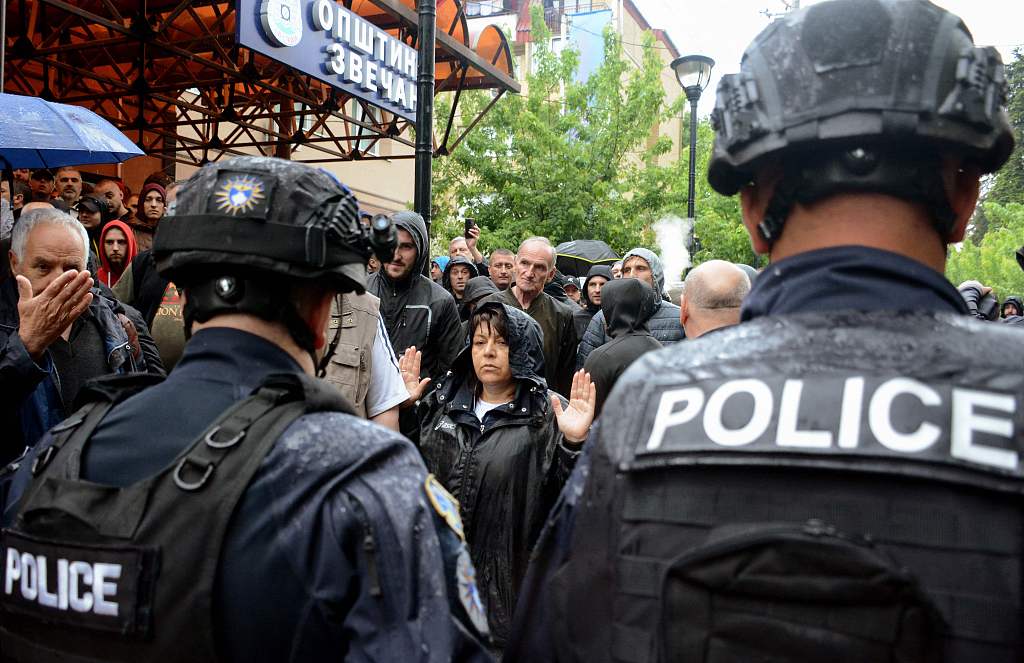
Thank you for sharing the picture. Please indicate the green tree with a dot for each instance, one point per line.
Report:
(1007, 185)
(571, 160)
(992, 260)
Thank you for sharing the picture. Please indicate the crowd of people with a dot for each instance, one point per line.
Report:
(469, 456)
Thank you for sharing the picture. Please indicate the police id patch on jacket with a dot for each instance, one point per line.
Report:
(907, 412)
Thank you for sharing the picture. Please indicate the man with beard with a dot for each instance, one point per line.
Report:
(117, 249)
(416, 311)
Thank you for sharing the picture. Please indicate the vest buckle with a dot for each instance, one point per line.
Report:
(226, 444)
(40, 463)
(191, 486)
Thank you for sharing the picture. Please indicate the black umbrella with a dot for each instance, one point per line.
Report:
(576, 257)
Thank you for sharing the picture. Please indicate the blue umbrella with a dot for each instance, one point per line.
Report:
(35, 133)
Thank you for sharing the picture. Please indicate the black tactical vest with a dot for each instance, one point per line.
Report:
(810, 488)
(102, 573)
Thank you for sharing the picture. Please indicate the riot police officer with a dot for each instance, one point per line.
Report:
(238, 511)
(839, 477)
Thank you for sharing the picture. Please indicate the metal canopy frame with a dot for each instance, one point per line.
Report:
(169, 74)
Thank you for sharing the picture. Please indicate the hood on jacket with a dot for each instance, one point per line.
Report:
(446, 280)
(106, 271)
(140, 214)
(477, 288)
(525, 346)
(627, 305)
(1013, 299)
(657, 269)
(603, 271)
(441, 262)
(412, 223)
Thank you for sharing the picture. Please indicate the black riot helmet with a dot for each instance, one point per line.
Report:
(245, 232)
(860, 95)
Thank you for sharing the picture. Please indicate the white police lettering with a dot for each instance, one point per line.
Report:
(894, 416)
(753, 428)
(78, 586)
(787, 434)
(966, 422)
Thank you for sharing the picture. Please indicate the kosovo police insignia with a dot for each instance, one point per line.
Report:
(446, 506)
(240, 193)
(469, 595)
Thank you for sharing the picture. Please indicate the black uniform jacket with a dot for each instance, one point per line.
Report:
(844, 329)
(293, 582)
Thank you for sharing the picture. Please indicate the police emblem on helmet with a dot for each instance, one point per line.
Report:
(239, 194)
(281, 21)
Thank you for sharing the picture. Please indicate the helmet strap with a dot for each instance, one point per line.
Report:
(909, 175)
(263, 298)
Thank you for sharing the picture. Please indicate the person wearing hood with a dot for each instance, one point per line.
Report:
(437, 267)
(477, 288)
(416, 311)
(152, 207)
(456, 275)
(590, 297)
(1013, 311)
(638, 263)
(503, 445)
(627, 305)
(117, 249)
(556, 288)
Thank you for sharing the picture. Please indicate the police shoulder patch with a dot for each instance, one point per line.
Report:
(446, 506)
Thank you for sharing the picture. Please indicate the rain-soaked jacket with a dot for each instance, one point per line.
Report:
(589, 309)
(505, 471)
(664, 324)
(107, 274)
(627, 304)
(417, 311)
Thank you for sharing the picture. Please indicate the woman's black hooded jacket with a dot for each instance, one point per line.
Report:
(506, 471)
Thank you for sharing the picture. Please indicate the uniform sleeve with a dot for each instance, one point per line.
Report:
(593, 338)
(403, 605)
(386, 388)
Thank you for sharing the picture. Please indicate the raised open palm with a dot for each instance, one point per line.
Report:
(575, 419)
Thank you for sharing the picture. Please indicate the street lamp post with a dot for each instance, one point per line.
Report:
(693, 73)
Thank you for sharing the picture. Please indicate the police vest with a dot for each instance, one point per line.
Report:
(103, 573)
(352, 330)
(809, 488)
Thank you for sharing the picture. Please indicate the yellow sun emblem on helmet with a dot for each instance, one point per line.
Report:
(239, 194)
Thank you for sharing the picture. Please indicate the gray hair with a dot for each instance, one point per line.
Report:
(716, 284)
(46, 216)
(540, 240)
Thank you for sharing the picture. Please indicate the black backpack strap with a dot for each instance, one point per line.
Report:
(95, 400)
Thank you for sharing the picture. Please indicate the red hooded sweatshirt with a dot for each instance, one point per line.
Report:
(107, 274)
